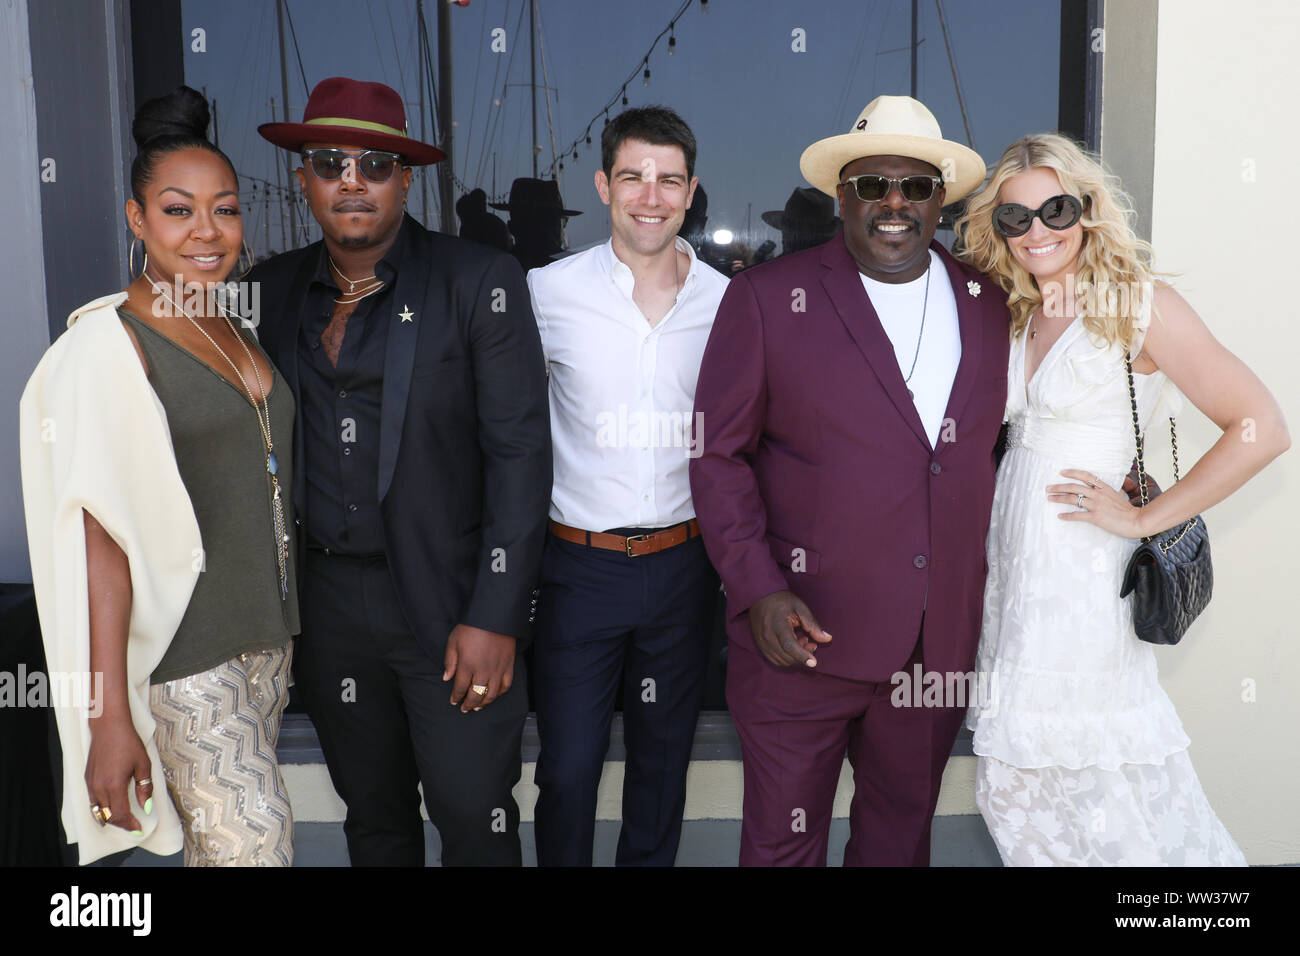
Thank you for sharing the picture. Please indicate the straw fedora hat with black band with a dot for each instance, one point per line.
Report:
(895, 126)
(353, 113)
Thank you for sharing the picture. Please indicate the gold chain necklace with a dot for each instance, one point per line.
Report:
(352, 295)
(263, 412)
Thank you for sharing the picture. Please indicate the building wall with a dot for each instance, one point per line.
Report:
(22, 273)
(70, 142)
(1128, 48)
(1225, 144)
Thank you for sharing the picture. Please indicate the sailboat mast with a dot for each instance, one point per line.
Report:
(952, 64)
(446, 173)
(280, 194)
(424, 179)
(914, 45)
(288, 157)
(532, 60)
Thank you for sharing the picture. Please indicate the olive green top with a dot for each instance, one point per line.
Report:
(236, 606)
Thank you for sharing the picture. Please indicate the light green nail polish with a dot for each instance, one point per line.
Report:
(137, 833)
(148, 806)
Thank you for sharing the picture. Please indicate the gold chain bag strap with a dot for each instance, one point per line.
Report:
(1170, 575)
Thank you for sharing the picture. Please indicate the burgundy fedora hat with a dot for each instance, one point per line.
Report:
(353, 113)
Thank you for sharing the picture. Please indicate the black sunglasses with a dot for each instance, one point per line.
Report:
(1060, 212)
(327, 163)
(871, 187)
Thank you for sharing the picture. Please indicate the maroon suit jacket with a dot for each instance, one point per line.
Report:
(815, 473)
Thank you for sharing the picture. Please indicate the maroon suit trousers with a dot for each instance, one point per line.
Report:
(796, 726)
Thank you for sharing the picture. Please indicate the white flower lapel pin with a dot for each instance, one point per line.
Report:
(973, 288)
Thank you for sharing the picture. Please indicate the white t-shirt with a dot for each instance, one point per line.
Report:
(899, 306)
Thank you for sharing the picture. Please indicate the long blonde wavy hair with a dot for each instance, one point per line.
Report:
(1112, 258)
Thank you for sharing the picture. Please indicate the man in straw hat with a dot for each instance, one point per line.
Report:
(851, 397)
(424, 477)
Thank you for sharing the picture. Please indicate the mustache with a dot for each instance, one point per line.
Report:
(353, 205)
(894, 220)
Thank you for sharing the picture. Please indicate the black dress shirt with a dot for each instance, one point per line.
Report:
(340, 410)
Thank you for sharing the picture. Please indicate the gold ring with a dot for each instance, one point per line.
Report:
(480, 689)
(101, 814)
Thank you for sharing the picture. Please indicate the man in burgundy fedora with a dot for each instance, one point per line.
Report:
(849, 399)
(422, 488)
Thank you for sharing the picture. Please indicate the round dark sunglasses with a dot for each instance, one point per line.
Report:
(871, 187)
(376, 165)
(1060, 212)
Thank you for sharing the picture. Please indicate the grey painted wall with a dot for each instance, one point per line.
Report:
(1128, 116)
(23, 319)
(83, 124)
(65, 100)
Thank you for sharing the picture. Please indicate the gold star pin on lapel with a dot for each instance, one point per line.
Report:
(406, 314)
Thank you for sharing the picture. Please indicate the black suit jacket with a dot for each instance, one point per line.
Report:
(465, 441)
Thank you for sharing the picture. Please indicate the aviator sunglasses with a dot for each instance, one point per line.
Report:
(1060, 212)
(872, 187)
(374, 164)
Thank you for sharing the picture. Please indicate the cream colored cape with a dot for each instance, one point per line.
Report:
(94, 435)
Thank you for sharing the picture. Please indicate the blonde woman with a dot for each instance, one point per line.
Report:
(1082, 758)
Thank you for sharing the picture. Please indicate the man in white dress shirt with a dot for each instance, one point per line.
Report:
(627, 591)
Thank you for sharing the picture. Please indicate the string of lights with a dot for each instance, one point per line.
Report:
(642, 68)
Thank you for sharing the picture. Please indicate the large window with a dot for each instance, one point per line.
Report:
(757, 80)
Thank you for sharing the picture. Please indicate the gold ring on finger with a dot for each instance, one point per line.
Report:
(480, 689)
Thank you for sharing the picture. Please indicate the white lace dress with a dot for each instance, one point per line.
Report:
(1082, 758)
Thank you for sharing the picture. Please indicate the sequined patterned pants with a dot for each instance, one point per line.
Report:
(216, 735)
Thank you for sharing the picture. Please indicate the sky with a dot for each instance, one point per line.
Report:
(752, 100)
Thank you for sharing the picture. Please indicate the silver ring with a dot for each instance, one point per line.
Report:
(1081, 499)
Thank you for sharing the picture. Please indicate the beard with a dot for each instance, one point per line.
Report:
(355, 242)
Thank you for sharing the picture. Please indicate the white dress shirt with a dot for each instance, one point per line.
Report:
(899, 306)
(622, 392)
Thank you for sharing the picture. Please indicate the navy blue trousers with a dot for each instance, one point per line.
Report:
(604, 621)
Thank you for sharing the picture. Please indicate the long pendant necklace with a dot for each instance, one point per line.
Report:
(263, 412)
(369, 285)
(925, 304)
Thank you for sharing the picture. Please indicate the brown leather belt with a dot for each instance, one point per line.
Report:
(635, 546)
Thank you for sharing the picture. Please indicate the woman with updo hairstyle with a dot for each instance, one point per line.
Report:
(156, 442)
(1082, 759)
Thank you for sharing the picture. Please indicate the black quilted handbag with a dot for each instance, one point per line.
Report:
(1169, 575)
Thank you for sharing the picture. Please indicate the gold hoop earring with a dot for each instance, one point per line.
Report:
(245, 250)
(130, 268)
